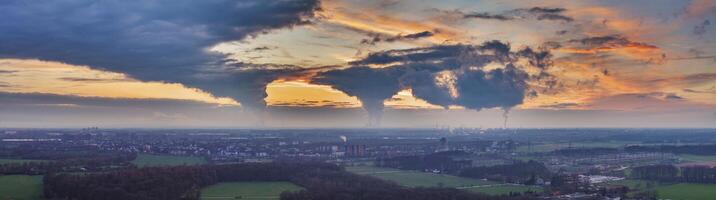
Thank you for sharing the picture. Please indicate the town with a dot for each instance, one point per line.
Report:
(536, 163)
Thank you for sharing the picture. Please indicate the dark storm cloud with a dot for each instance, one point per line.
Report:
(499, 88)
(7, 71)
(538, 13)
(376, 38)
(246, 82)
(372, 86)
(460, 68)
(164, 40)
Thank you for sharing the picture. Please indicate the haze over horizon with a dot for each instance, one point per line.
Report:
(353, 64)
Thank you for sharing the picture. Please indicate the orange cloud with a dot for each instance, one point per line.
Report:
(373, 22)
(33, 76)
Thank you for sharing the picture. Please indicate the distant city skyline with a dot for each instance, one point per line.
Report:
(353, 64)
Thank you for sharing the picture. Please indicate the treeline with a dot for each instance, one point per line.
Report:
(87, 161)
(670, 173)
(676, 149)
(321, 182)
(518, 172)
(585, 151)
(655, 172)
(443, 161)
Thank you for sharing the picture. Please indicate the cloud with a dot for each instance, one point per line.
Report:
(560, 106)
(538, 13)
(44, 99)
(7, 71)
(691, 79)
(5, 85)
(621, 48)
(372, 86)
(442, 75)
(700, 29)
(499, 88)
(651, 101)
(164, 40)
(610, 42)
(376, 38)
(485, 15)
(91, 79)
(711, 90)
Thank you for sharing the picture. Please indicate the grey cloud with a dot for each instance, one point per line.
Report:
(376, 38)
(7, 71)
(610, 41)
(709, 91)
(485, 15)
(418, 69)
(538, 13)
(700, 29)
(372, 86)
(673, 97)
(449, 56)
(503, 88)
(163, 40)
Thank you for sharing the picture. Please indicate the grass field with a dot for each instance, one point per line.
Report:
(20, 187)
(555, 146)
(147, 160)
(247, 190)
(6, 161)
(423, 179)
(417, 179)
(687, 191)
(681, 191)
(504, 189)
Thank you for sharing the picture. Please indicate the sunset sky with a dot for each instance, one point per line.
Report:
(357, 63)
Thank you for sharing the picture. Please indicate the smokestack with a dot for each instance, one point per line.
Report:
(505, 115)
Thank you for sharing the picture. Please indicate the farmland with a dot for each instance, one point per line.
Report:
(680, 191)
(424, 179)
(247, 190)
(20, 187)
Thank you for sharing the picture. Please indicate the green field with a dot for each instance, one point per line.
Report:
(681, 191)
(6, 161)
(247, 190)
(687, 191)
(417, 179)
(20, 187)
(696, 158)
(424, 179)
(555, 146)
(147, 160)
(504, 189)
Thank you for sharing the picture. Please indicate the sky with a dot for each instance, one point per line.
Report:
(357, 63)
